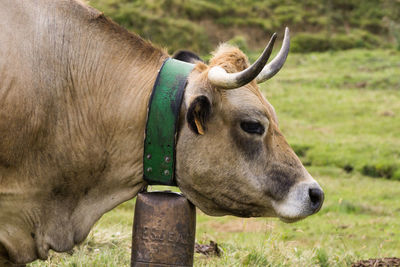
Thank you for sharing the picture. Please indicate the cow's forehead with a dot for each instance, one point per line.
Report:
(250, 101)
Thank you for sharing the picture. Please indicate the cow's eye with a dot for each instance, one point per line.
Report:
(252, 127)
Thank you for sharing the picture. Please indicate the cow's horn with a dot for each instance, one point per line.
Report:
(276, 64)
(220, 78)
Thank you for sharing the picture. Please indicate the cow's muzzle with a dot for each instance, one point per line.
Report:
(303, 199)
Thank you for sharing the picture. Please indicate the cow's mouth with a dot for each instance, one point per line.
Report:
(303, 200)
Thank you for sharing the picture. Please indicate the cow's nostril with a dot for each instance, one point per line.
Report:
(316, 197)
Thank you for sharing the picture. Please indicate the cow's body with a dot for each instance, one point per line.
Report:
(74, 89)
(73, 99)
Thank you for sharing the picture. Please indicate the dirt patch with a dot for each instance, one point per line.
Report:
(387, 113)
(242, 225)
(209, 250)
(384, 262)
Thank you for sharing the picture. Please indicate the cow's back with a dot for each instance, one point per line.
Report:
(33, 58)
(17, 100)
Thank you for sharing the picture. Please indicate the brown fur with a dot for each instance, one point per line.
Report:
(227, 171)
(232, 59)
(73, 99)
(74, 89)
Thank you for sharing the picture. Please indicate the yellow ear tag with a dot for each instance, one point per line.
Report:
(199, 127)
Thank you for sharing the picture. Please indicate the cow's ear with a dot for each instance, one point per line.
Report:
(198, 114)
(187, 56)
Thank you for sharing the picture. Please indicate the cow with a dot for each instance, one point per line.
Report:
(74, 90)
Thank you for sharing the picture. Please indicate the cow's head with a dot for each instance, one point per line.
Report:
(231, 156)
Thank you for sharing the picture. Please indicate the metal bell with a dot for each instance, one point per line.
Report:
(164, 230)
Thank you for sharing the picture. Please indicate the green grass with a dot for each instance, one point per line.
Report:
(359, 220)
(341, 113)
(342, 109)
(353, 224)
(316, 25)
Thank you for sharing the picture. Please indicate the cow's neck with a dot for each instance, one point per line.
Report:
(108, 75)
(81, 94)
(108, 83)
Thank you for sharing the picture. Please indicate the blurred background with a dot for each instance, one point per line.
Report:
(338, 103)
(317, 25)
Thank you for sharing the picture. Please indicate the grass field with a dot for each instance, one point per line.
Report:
(341, 113)
(316, 25)
(342, 109)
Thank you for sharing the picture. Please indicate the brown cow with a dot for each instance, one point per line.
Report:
(74, 89)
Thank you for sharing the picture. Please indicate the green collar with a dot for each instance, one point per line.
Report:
(162, 122)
